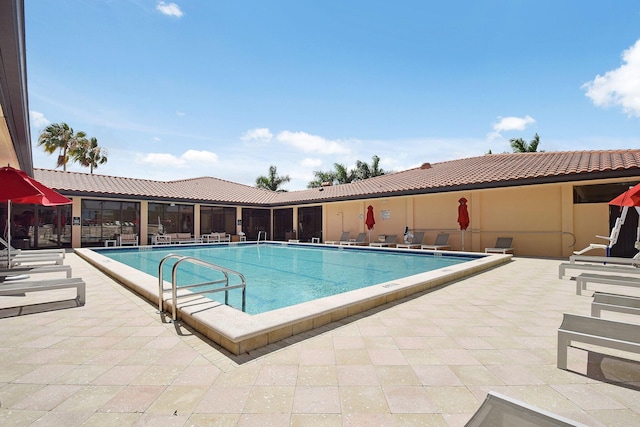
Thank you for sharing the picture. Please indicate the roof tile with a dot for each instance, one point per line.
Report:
(444, 176)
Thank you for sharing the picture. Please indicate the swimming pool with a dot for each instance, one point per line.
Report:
(284, 275)
(240, 332)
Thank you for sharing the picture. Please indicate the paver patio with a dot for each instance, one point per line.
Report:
(427, 360)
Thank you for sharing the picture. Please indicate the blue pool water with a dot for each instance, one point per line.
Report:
(283, 275)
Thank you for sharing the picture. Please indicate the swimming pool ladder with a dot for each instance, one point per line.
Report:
(174, 283)
(265, 236)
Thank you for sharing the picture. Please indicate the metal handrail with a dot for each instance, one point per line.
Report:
(174, 282)
(265, 236)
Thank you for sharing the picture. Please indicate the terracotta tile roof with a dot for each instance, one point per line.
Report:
(492, 170)
(205, 189)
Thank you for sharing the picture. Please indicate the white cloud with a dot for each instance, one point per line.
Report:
(510, 123)
(311, 143)
(186, 160)
(156, 139)
(620, 86)
(200, 156)
(180, 113)
(38, 119)
(170, 9)
(258, 135)
(311, 163)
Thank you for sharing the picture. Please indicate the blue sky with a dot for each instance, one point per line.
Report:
(194, 88)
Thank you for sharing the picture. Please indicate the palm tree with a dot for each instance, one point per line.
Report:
(320, 178)
(342, 175)
(88, 154)
(273, 181)
(364, 171)
(520, 146)
(60, 136)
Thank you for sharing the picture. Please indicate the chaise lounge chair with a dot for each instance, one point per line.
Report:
(358, 241)
(128, 239)
(343, 237)
(389, 241)
(20, 287)
(416, 241)
(500, 411)
(503, 246)
(441, 243)
(57, 251)
(17, 257)
(612, 239)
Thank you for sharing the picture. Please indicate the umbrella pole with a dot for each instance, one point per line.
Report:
(8, 233)
(463, 240)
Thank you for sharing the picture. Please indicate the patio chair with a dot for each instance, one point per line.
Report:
(416, 241)
(358, 241)
(612, 239)
(17, 257)
(343, 237)
(498, 410)
(389, 241)
(21, 287)
(59, 251)
(128, 239)
(503, 246)
(441, 243)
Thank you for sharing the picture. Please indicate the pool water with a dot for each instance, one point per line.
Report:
(283, 275)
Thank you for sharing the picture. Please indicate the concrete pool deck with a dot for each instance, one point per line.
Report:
(425, 360)
(239, 332)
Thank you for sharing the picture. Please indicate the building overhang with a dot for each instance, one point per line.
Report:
(15, 136)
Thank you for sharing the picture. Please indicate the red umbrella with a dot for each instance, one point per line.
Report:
(18, 187)
(463, 214)
(370, 221)
(463, 217)
(631, 197)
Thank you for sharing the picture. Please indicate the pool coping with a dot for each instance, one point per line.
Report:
(240, 332)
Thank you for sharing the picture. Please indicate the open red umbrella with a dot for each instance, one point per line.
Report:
(629, 198)
(18, 187)
(463, 217)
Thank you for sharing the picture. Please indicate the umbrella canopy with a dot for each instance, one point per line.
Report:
(370, 221)
(18, 187)
(631, 197)
(463, 214)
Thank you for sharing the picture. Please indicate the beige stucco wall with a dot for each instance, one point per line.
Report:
(542, 219)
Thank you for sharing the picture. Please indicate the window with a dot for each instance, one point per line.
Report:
(599, 193)
(105, 220)
(217, 219)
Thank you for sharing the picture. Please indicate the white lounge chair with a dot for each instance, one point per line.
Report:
(128, 239)
(59, 251)
(503, 246)
(361, 239)
(7, 273)
(19, 287)
(18, 258)
(596, 331)
(441, 243)
(502, 411)
(343, 237)
(416, 241)
(389, 241)
(612, 239)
